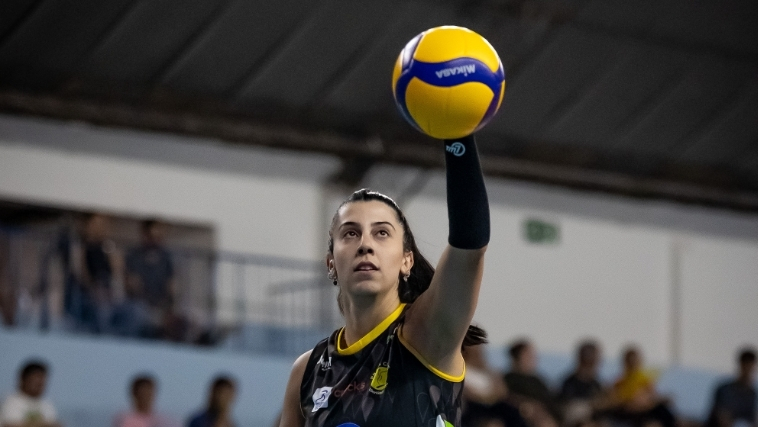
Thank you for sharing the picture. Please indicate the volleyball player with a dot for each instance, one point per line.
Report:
(397, 361)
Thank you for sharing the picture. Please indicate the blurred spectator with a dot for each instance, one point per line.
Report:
(524, 383)
(7, 294)
(219, 411)
(635, 397)
(143, 414)
(581, 393)
(736, 401)
(96, 276)
(148, 309)
(27, 408)
(485, 394)
(149, 269)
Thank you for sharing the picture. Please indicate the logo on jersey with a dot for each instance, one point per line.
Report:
(353, 387)
(442, 423)
(379, 379)
(325, 364)
(321, 398)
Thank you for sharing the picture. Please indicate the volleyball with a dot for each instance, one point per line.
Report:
(448, 82)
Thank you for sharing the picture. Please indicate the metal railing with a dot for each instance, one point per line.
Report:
(241, 302)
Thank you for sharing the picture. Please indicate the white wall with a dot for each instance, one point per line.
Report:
(612, 276)
(719, 300)
(601, 280)
(92, 396)
(259, 214)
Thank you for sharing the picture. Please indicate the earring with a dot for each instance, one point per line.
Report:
(332, 275)
(406, 276)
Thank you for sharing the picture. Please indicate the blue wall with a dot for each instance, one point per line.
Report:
(89, 379)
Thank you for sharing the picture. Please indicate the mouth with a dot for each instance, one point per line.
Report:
(366, 266)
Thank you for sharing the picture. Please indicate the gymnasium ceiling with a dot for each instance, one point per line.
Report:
(647, 98)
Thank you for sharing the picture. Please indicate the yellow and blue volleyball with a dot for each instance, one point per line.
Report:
(448, 82)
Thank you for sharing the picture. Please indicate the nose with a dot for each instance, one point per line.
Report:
(365, 248)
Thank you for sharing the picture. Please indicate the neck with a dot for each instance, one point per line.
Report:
(364, 314)
(585, 373)
(521, 370)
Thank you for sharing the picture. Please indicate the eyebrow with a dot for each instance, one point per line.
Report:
(352, 224)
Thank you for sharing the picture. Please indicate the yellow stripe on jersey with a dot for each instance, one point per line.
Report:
(429, 366)
(363, 342)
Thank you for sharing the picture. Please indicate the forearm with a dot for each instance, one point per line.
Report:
(467, 204)
(447, 307)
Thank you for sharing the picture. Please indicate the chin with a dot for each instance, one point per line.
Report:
(366, 288)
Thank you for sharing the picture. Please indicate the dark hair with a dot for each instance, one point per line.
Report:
(422, 271)
(222, 381)
(517, 348)
(148, 224)
(218, 383)
(140, 381)
(628, 351)
(747, 355)
(32, 367)
(584, 349)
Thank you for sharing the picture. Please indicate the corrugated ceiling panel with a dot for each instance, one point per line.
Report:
(727, 23)
(235, 45)
(335, 33)
(732, 136)
(146, 40)
(12, 12)
(705, 89)
(624, 15)
(52, 41)
(366, 87)
(572, 61)
(635, 80)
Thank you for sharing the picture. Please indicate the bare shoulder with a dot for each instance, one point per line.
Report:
(299, 366)
(292, 416)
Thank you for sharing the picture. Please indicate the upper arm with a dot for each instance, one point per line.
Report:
(438, 320)
(292, 416)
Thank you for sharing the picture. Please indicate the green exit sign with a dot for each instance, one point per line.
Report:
(543, 232)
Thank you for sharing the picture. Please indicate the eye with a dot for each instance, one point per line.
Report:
(384, 233)
(350, 233)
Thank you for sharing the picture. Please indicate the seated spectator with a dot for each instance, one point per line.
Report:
(27, 408)
(524, 384)
(97, 274)
(581, 393)
(143, 414)
(148, 309)
(736, 401)
(634, 396)
(485, 395)
(219, 411)
(7, 293)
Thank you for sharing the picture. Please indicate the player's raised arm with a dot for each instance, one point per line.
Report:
(439, 319)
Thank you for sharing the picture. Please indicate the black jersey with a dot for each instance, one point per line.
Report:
(379, 381)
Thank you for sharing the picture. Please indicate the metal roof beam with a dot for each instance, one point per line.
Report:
(416, 153)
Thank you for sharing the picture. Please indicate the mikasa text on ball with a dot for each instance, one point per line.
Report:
(448, 82)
